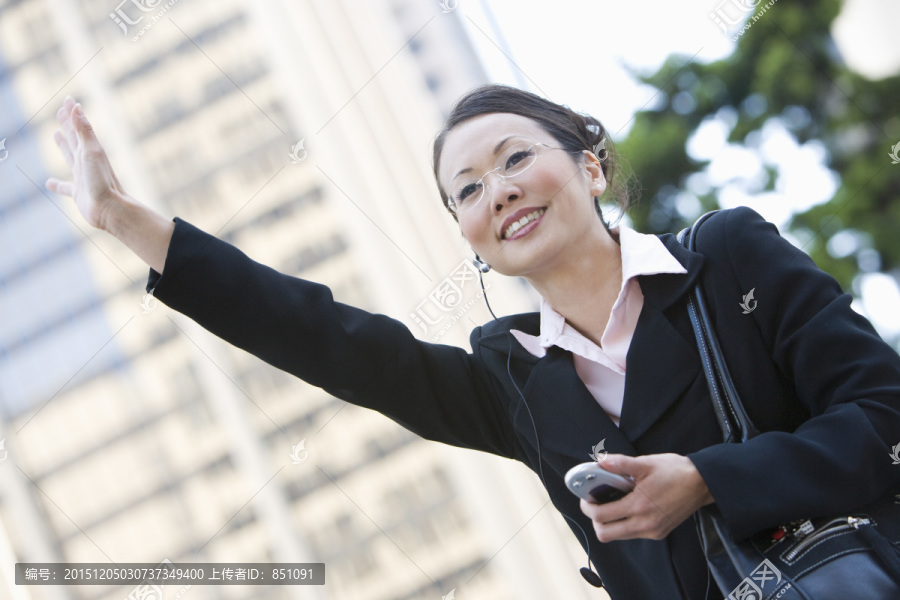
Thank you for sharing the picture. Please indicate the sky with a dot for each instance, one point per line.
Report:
(602, 40)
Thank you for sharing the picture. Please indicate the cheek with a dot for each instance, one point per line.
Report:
(475, 229)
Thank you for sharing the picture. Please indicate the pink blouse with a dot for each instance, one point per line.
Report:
(602, 368)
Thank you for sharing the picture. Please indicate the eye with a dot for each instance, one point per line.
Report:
(466, 191)
(518, 156)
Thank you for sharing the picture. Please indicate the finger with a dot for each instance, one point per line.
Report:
(607, 512)
(64, 188)
(64, 147)
(62, 115)
(83, 127)
(626, 529)
(68, 129)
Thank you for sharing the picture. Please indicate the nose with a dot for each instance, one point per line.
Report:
(506, 191)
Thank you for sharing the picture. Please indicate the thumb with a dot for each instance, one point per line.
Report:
(621, 464)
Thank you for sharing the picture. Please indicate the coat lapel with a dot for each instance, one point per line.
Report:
(570, 422)
(661, 364)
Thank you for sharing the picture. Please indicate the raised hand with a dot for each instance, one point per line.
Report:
(94, 185)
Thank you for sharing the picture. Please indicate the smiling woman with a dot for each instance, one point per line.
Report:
(610, 361)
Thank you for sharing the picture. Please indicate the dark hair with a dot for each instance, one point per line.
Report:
(574, 132)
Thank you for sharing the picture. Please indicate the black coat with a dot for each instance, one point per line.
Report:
(814, 375)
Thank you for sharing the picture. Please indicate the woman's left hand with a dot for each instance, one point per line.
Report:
(668, 489)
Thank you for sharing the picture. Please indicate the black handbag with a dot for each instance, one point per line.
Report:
(849, 557)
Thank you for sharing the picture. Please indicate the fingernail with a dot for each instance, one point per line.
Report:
(78, 110)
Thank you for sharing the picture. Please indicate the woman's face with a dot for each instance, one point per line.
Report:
(555, 194)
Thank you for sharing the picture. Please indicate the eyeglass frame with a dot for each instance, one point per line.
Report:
(451, 202)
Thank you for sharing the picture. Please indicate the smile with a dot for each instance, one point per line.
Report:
(523, 222)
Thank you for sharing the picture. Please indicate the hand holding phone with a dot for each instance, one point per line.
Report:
(595, 484)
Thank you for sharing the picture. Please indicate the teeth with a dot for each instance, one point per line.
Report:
(512, 229)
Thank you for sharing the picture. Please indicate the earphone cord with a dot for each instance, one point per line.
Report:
(484, 295)
(587, 544)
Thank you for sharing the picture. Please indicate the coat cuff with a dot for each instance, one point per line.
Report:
(185, 235)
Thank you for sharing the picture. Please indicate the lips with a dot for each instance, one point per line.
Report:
(519, 220)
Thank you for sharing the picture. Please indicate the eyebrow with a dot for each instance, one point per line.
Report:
(496, 150)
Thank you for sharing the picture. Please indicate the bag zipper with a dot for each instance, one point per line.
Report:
(833, 526)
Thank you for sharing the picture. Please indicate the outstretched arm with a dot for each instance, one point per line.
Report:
(439, 392)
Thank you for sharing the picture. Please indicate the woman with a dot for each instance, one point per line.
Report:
(520, 176)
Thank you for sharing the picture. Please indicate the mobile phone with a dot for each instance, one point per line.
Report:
(595, 484)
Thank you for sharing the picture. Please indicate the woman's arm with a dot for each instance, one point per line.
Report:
(439, 392)
(844, 375)
(146, 232)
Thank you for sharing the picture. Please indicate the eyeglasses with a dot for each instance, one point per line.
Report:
(467, 193)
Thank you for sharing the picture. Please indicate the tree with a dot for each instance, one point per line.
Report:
(785, 69)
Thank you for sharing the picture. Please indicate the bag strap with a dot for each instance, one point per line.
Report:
(733, 419)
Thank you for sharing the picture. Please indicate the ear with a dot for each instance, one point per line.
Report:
(595, 172)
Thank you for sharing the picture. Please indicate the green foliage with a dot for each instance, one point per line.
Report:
(785, 66)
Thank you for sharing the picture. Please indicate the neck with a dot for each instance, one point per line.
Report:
(584, 285)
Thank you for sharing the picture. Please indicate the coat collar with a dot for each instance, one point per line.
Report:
(661, 361)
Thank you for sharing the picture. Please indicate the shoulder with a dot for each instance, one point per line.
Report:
(529, 323)
(495, 332)
(734, 228)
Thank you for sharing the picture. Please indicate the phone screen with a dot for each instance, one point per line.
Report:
(605, 493)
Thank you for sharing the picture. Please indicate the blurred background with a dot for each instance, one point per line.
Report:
(301, 133)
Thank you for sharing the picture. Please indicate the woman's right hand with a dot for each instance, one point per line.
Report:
(94, 185)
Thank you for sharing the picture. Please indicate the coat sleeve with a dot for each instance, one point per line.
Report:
(439, 392)
(845, 375)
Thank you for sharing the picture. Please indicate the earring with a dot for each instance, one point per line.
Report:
(481, 265)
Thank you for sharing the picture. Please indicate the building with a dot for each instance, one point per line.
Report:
(300, 132)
